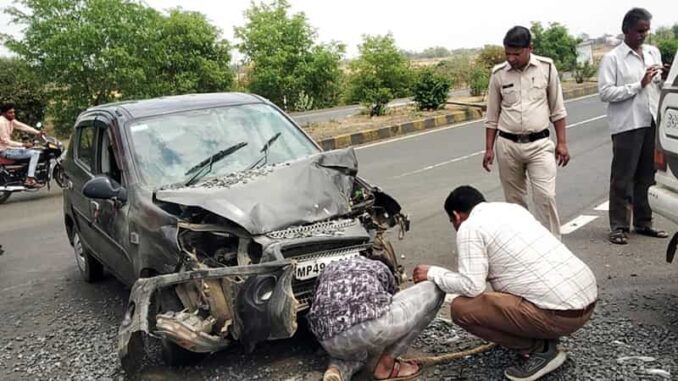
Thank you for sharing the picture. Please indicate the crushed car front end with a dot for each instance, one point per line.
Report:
(252, 245)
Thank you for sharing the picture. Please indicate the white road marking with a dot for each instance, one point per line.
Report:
(587, 121)
(460, 158)
(604, 207)
(576, 224)
(440, 164)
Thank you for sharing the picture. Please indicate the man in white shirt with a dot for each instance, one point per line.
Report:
(630, 79)
(14, 150)
(541, 291)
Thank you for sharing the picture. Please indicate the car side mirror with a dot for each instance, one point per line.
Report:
(102, 187)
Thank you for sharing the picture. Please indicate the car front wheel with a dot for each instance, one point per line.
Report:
(90, 269)
(4, 195)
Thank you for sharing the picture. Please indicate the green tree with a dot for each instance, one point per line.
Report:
(668, 49)
(556, 43)
(90, 52)
(666, 40)
(188, 57)
(20, 85)
(491, 55)
(284, 64)
(479, 80)
(379, 74)
(430, 90)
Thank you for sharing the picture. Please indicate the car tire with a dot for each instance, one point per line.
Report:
(172, 354)
(4, 196)
(90, 268)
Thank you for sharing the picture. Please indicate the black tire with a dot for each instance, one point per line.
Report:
(176, 356)
(172, 354)
(59, 175)
(4, 196)
(90, 268)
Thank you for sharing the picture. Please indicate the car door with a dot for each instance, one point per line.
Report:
(81, 169)
(109, 217)
(668, 118)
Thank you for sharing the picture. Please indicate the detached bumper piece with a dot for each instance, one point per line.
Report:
(264, 308)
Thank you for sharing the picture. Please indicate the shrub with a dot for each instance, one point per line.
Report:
(480, 80)
(584, 71)
(430, 90)
(668, 48)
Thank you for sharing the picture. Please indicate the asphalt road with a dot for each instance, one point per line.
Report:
(57, 327)
(304, 118)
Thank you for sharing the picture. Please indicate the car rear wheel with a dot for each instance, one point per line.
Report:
(4, 195)
(90, 268)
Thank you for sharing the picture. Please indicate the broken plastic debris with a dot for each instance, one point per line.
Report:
(659, 372)
(640, 358)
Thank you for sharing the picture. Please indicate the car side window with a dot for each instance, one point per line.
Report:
(107, 161)
(86, 146)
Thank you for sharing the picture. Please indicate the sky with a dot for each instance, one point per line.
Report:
(419, 24)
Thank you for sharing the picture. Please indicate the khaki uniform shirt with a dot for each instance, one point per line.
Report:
(525, 101)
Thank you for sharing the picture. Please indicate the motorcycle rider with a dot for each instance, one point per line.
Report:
(14, 150)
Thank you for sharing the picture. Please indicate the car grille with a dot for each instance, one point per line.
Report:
(325, 228)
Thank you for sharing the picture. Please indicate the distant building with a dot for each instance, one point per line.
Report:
(614, 41)
(585, 53)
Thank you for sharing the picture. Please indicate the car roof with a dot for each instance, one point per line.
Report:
(177, 103)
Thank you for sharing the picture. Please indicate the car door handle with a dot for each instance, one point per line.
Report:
(94, 209)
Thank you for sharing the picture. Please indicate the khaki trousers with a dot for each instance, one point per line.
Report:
(536, 161)
(512, 321)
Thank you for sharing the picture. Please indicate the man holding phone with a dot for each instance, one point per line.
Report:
(630, 80)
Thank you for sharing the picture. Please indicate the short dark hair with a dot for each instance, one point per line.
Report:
(632, 17)
(463, 199)
(518, 37)
(6, 107)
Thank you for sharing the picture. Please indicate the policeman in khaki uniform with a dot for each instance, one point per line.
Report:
(524, 97)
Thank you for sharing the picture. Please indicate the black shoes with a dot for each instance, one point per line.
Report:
(538, 364)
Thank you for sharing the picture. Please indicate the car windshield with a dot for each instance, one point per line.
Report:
(166, 147)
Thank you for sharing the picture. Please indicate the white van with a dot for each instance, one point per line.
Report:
(664, 195)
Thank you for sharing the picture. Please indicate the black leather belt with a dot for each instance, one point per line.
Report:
(525, 138)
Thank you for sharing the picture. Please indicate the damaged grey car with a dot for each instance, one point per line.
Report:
(220, 213)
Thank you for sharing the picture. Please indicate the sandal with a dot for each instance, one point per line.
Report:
(394, 376)
(332, 374)
(618, 237)
(650, 232)
(32, 183)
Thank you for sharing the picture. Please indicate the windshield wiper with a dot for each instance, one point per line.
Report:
(264, 151)
(205, 166)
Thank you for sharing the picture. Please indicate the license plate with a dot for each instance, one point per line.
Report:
(312, 268)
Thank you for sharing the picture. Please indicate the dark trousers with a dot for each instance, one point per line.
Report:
(631, 175)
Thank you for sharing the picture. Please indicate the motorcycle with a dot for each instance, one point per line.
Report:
(14, 172)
